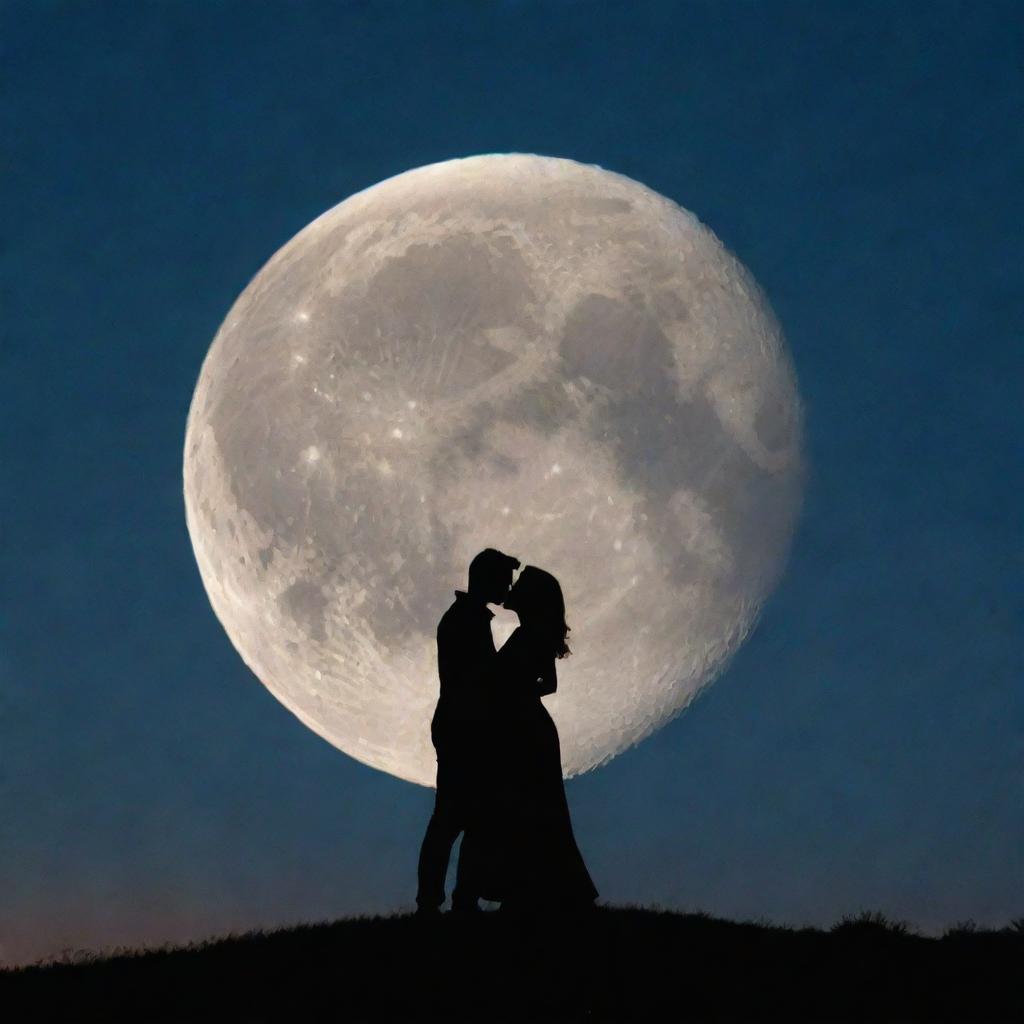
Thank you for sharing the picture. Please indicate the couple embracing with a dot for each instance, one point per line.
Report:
(499, 766)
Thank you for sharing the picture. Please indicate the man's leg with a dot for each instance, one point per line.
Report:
(467, 887)
(442, 831)
(468, 874)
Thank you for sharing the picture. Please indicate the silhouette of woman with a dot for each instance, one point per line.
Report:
(532, 860)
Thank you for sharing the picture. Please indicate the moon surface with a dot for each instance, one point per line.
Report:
(510, 351)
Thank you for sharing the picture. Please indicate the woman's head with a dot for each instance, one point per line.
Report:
(537, 599)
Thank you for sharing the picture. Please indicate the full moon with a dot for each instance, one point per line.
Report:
(510, 351)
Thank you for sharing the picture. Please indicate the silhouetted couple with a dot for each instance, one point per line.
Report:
(499, 765)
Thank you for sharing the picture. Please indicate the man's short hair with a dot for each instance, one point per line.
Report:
(490, 564)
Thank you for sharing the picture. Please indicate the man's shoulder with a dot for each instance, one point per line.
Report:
(453, 613)
(465, 613)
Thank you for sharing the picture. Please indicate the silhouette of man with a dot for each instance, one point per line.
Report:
(465, 654)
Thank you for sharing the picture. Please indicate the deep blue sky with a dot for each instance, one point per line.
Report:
(866, 747)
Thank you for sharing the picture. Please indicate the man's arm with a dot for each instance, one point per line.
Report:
(547, 680)
(465, 657)
(519, 668)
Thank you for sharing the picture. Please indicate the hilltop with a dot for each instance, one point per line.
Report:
(611, 965)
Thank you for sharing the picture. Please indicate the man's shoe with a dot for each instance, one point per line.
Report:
(466, 908)
(426, 911)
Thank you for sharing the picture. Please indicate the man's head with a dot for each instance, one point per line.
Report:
(490, 575)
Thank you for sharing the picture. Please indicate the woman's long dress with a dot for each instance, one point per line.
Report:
(532, 859)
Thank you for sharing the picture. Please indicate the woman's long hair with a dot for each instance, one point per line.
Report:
(540, 601)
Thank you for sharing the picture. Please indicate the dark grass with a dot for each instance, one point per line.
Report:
(610, 965)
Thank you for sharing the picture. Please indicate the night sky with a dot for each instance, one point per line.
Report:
(864, 750)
